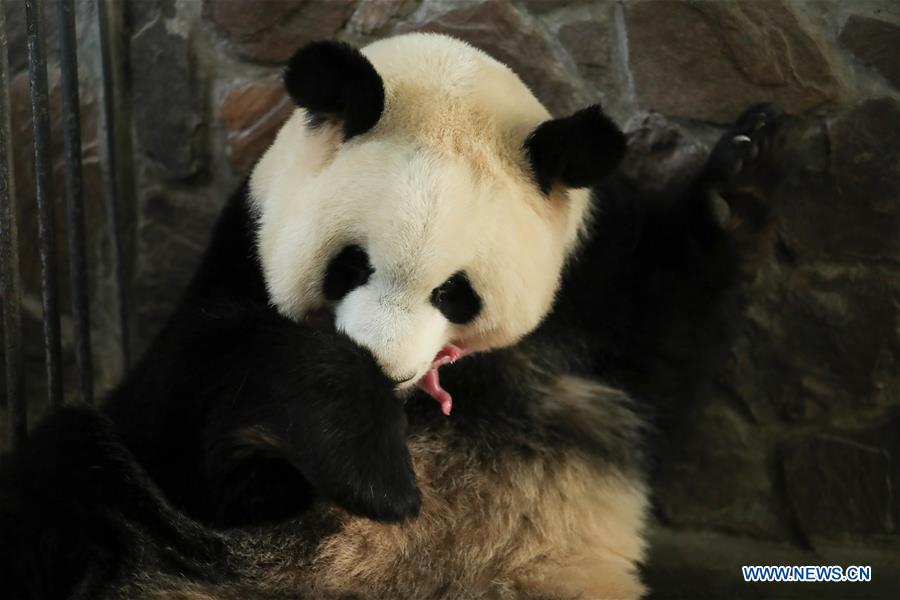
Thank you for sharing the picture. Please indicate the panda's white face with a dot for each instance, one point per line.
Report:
(427, 232)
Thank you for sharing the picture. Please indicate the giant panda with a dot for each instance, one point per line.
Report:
(420, 358)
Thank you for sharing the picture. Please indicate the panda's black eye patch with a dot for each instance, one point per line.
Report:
(456, 299)
(349, 269)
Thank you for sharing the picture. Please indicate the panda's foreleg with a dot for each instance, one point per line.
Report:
(718, 233)
(316, 417)
(659, 285)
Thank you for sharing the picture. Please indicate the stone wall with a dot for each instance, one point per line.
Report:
(798, 442)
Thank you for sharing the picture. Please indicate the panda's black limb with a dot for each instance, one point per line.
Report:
(76, 508)
(659, 284)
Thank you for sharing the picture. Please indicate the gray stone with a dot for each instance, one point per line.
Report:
(710, 60)
(545, 6)
(876, 43)
(590, 44)
(850, 210)
(373, 16)
(143, 12)
(838, 487)
(701, 565)
(819, 342)
(167, 111)
(882, 434)
(271, 31)
(716, 475)
(252, 115)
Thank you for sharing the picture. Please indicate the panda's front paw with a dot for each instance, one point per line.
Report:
(745, 145)
(375, 480)
(350, 432)
(365, 465)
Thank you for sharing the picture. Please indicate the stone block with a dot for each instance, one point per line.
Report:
(270, 31)
(252, 114)
(875, 43)
(710, 60)
(838, 487)
(167, 106)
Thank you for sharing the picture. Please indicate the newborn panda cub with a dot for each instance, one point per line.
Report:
(421, 230)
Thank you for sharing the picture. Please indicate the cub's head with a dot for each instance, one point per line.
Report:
(424, 196)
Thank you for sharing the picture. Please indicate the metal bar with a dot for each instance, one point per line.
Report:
(40, 114)
(10, 290)
(117, 155)
(71, 126)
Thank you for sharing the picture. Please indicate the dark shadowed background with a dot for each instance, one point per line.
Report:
(793, 456)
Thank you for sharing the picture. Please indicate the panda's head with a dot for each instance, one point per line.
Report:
(424, 196)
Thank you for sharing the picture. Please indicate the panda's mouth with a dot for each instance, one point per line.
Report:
(430, 383)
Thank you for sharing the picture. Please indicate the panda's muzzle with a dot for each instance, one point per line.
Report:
(323, 319)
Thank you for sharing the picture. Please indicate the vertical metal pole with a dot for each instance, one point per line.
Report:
(71, 126)
(118, 148)
(10, 290)
(40, 114)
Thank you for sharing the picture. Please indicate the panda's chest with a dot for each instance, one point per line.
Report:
(522, 520)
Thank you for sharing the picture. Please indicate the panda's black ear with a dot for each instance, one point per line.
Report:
(576, 151)
(333, 81)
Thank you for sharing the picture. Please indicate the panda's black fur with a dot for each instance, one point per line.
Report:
(216, 466)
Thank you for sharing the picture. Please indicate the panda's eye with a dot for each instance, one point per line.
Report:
(349, 269)
(456, 299)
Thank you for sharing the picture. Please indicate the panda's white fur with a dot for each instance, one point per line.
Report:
(439, 185)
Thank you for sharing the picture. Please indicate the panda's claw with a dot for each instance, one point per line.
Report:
(743, 146)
